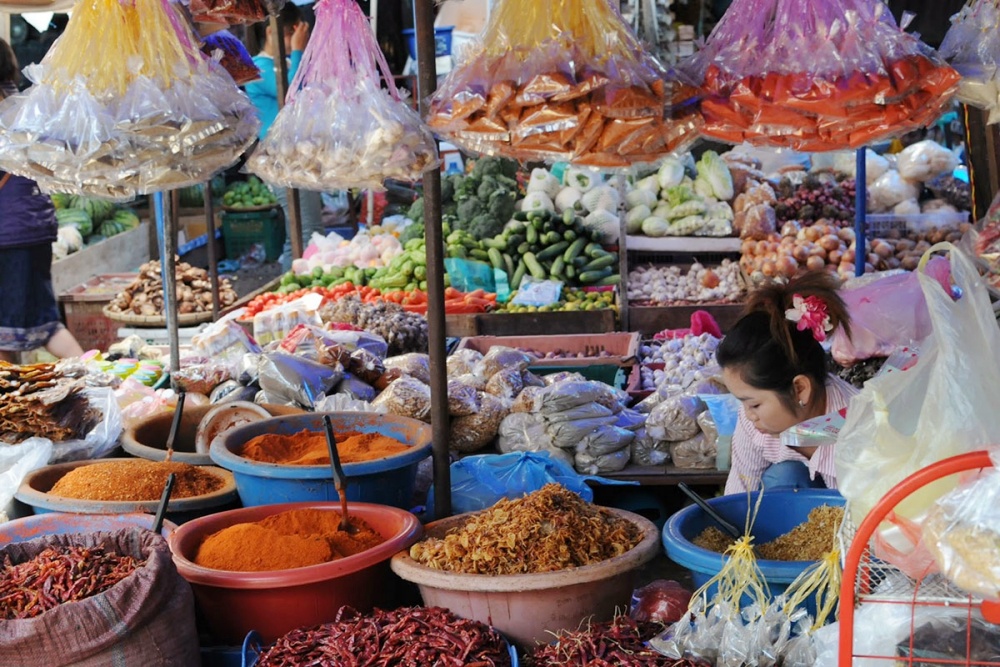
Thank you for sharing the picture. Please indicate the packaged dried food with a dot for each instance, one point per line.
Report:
(563, 376)
(585, 411)
(564, 80)
(463, 400)
(708, 429)
(367, 366)
(972, 47)
(501, 358)
(406, 397)
(232, 55)
(145, 111)
(645, 451)
(463, 361)
(477, 382)
(816, 76)
(566, 395)
(344, 124)
(289, 379)
(696, 452)
(529, 379)
(355, 388)
(569, 434)
(587, 463)
(505, 384)
(475, 431)
(676, 418)
(524, 432)
(605, 440)
(414, 364)
(201, 378)
(525, 401)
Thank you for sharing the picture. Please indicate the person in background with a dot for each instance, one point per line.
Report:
(264, 95)
(773, 361)
(29, 316)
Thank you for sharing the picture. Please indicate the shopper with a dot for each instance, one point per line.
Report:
(29, 316)
(264, 95)
(772, 361)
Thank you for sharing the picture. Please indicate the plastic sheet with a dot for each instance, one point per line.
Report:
(972, 47)
(16, 461)
(339, 128)
(288, 379)
(816, 76)
(144, 111)
(563, 80)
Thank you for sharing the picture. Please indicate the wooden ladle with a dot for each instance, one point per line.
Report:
(339, 479)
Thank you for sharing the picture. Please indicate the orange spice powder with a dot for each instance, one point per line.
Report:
(308, 448)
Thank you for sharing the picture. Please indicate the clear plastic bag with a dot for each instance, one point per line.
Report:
(588, 463)
(288, 379)
(500, 358)
(475, 431)
(144, 111)
(16, 461)
(694, 453)
(340, 128)
(463, 361)
(646, 451)
(414, 364)
(660, 601)
(567, 434)
(585, 411)
(366, 366)
(506, 384)
(563, 80)
(708, 429)
(675, 418)
(925, 161)
(972, 47)
(605, 440)
(200, 378)
(232, 55)
(463, 400)
(816, 76)
(890, 189)
(563, 376)
(566, 395)
(630, 419)
(525, 401)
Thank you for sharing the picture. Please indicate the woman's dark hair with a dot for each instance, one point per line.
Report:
(767, 348)
(290, 15)
(9, 71)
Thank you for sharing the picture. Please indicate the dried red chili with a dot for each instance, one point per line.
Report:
(407, 637)
(55, 576)
(621, 642)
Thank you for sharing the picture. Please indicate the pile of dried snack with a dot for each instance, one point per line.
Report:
(40, 401)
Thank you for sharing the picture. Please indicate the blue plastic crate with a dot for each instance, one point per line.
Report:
(442, 41)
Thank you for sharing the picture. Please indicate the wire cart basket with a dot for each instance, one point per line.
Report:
(868, 580)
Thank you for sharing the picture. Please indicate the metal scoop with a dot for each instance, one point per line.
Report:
(339, 480)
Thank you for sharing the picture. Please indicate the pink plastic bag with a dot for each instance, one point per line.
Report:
(887, 313)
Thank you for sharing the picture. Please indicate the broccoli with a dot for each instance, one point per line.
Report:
(416, 210)
(414, 231)
(484, 226)
(494, 166)
(447, 189)
(469, 209)
(502, 204)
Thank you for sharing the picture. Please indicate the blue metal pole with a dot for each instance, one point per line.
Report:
(860, 206)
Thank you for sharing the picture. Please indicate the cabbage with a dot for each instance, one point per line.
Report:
(688, 208)
(633, 221)
(715, 171)
(720, 210)
(655, 227)
(649, 183)
(605, 223)
(671, 173)
(640, 197)
(679, 194)
(537, 201)
(601, 198)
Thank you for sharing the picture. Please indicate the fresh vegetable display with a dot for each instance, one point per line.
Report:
(251, 193)
(822, 245)
(675, 362)
(407, 636)
(363, 251)
(671, 285)
(407, 271)
(814, 199)
(403, 331)
(194, 291)
(90, 218)
(572, 300)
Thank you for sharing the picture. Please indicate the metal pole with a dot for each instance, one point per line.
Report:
(423, 20)
(213, 260)
(166, 225)
(860, 213)
(281, 81)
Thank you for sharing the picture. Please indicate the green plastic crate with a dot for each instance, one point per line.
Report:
(244, 228)
(607, 373)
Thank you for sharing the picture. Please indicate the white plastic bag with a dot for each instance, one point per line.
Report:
(16, 461)
(944, 405)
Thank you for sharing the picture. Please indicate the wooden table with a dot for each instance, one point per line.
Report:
(668, 475)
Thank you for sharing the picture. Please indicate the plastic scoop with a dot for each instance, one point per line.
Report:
(161, 511)
(729, 528)
(175, 426)
(339, 480)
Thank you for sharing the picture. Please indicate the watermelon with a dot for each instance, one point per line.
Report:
(61, 199)
(99, 210)
(76, 217)
(126, 218)
(193, 196)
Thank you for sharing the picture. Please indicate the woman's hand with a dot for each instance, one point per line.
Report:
(300, 36)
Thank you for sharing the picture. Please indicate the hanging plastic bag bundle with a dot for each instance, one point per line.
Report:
(339, 129)
(564, 80)
(816, 76)
(125, 104)
(972, 47)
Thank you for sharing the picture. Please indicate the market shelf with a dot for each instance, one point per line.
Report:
(682, 244)
(668, 475)
(648, 320)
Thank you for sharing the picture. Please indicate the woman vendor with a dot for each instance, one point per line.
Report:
(773, 362)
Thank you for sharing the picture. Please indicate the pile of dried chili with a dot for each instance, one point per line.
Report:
(55, 576)
(616, 643)
(407, 637)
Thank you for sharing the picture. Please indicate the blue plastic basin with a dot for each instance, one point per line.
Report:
(780, 511)
(389, 481)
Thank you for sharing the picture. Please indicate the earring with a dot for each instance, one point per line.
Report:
(802, 404)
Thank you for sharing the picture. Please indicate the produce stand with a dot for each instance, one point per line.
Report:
(648, 320)
(542, 324)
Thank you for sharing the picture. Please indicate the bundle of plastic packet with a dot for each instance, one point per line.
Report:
(564, 80)
(816, 76)
(339, 128)
(233, 12)
(125, 104)
(972, 47)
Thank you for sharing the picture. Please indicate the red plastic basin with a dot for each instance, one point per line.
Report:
(272, 603)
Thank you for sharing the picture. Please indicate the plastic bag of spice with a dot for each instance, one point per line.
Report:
(696, 452)
(816, 76)
(463, 361)
(676, 418)
(344, 124)
(598, 464)
(646, 451)
(500, 358)
(232, 55)
(563, 80)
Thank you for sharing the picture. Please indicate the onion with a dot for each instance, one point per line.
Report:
(846, 234)
(829, 242)
(848, 256)
(834, 256)
(815, 263)
(800, 253)
(786, 266)
(768, 268)
(812, 234)
(790, 228)
(882, 250)
(817, 251)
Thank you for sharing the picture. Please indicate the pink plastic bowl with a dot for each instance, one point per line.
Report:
(272, 603)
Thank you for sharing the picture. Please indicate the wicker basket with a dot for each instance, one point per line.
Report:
(156, 321)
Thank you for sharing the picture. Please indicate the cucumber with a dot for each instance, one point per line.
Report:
(570, 235)
(523, 248)
(580, 262)
(574, 250)
(610, 281)
(499, 243)
(602, 262)
(531, 234)
(457, 251)
(550, 237)
(570, 272)
(482, 255)
(518, 275)
(554, 250)
(594, 250)
(496, 258)
(516, 227)
(558, 266)
(508, 263)
(521, 216)
(534, 267)
(568, 216)
(594, 276)
(514, 240)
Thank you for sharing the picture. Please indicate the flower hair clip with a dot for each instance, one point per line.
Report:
(810, 313)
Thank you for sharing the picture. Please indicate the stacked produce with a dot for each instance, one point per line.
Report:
(670, 285)
(144, 111)
(572, 300)
(41, 401)
(676, 362)
(57, 576)
(671, 203)
(194, 292)
(340, 128)
(248, 194)
(85, 220)
(402, 331)
(549, 530)
(363, 251)
(972, 47)
(408, 636)
(856, 77)
(563, 81)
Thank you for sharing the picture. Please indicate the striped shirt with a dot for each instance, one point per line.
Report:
(754, 452)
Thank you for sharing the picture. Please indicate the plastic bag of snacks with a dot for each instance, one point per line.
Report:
(816, 76)
(972, 46)
(340, 129)
(144, 111)
(233, 11)
(564, 80)
(233, 56)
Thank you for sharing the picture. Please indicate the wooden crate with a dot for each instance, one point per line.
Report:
(83, 307)
(622, 347)
(649, 320)
(542, 324)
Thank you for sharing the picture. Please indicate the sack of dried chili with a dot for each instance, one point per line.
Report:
(232, 55)
(564, 80)
(816, 76)
(340, 128)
